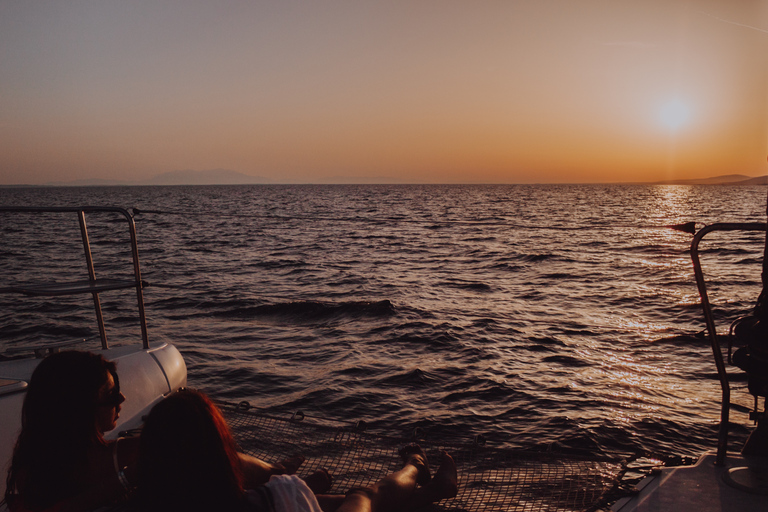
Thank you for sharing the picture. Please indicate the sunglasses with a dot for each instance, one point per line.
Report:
(114, 398)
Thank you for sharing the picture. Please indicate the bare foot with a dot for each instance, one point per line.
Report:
(320, 481)
(288, 466)
(414, 455)
(445, 482)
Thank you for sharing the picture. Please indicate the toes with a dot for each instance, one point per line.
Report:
(410, 449)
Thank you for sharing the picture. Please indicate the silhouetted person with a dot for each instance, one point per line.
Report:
(61, 460)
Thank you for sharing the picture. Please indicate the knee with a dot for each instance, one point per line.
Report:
(358, 499)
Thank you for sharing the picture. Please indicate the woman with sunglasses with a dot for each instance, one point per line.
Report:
(61, 461)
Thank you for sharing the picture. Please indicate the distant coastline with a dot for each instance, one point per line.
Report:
(728, 179)
(180, 177)
(229, 177)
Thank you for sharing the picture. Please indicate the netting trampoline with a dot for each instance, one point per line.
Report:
(489, 479)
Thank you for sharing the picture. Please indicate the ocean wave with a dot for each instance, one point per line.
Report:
(468, 285)
(568, 361)
(535, 258)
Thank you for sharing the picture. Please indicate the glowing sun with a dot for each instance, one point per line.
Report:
(675, 114)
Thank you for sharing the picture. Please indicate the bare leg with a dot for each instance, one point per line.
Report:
(394, 491)
(288, 466)
(330, 502)
(443, 485)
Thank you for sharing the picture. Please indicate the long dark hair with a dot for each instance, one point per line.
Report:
(58, 426)
(188, 459)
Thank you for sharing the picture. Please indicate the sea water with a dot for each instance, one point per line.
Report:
(542, 316)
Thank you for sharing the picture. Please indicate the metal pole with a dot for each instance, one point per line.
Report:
(92, 278)
(139, 283)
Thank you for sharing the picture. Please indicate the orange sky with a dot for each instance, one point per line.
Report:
(411, 91)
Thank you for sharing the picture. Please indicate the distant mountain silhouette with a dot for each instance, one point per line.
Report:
(209, 177)
(93, 182)
(727, 179)
(185, 177)
(760, 180)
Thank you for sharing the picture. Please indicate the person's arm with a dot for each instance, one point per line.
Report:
(256, 472)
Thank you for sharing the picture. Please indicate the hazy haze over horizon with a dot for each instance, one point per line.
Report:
(418, 91)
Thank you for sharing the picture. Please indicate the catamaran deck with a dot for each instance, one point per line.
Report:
(703, 487)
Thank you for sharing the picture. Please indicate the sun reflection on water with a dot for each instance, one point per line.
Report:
(672, 201)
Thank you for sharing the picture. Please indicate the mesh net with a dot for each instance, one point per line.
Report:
(489, 479)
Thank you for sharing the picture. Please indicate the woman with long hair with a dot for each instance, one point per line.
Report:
(188, 459)
(188, 462)
(61, 460)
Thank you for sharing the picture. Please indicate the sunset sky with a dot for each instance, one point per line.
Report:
(426, 91)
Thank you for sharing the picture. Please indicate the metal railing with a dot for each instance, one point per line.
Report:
(92, 285)
(722, 440)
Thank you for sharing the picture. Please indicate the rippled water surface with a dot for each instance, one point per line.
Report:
(535, 315)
